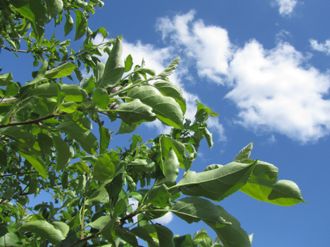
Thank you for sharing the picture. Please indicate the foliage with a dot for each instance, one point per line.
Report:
(55, 139)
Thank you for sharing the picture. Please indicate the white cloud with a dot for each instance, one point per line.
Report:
(286, 7)
(321, 47)
(275, 91)
(209, 46)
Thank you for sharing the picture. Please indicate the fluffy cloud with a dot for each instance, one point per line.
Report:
(209, 46)
(274, 90)
(321, 47)
(286, 7)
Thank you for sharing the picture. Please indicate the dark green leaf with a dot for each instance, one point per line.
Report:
(45, 230)
(104, 139)
(68, 24)
(36, 164)
(228, 229)
(62, 152)
(165, 236)
(81, 25)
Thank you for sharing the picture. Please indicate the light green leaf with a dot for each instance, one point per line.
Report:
(114, 69)
(159, 196)
(101, 98)
(46, 230)
(104, 139)
(100, 223)
(10, 239)
(170, 68)
(128, 63)
(263, 182)
(36, 164)
(285, 193)
(135, 111)
(218, 183)
(54, 7)
(169, 89)
(166, 108)
(105, 167)
(170, 167)
(245, 153)
(228, 229)
(73, 93)
(63, 70)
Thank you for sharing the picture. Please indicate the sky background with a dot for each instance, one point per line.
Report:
(263, 65)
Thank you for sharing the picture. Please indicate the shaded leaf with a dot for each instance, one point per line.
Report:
(46, 230)
(36, 164)
(228, 229)
(62, 152)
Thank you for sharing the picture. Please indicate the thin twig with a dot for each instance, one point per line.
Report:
(32, 121)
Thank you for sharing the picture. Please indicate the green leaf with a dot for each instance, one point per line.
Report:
(85, 138)
(183, 241)
(68, 24)
(101, 222)
(63, 70)
(209, 137)
(104, 139)
(165, 236)
(54, 7)
(263, 182)
(202, 239)
(81, 25)
(126, 235)
(73, 93)
(147, 233)
(10, 240)
(126, 128)
(62, 152)
(166, 108)
(114, 69)
(45, 230)
(128, 63)
(169, 89)
(285, 193)
(228, 229)
(218, 183)
(36, 164)
(135, 111)
(245, 153)
(159, 196)
(105, 167)
(170, 167)
(170, 68)
(101, 98)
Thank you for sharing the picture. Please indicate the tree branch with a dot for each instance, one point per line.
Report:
(32, 121)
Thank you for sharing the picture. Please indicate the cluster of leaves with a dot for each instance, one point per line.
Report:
(55, 139)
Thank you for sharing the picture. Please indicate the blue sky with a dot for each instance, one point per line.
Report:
(263, 65)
